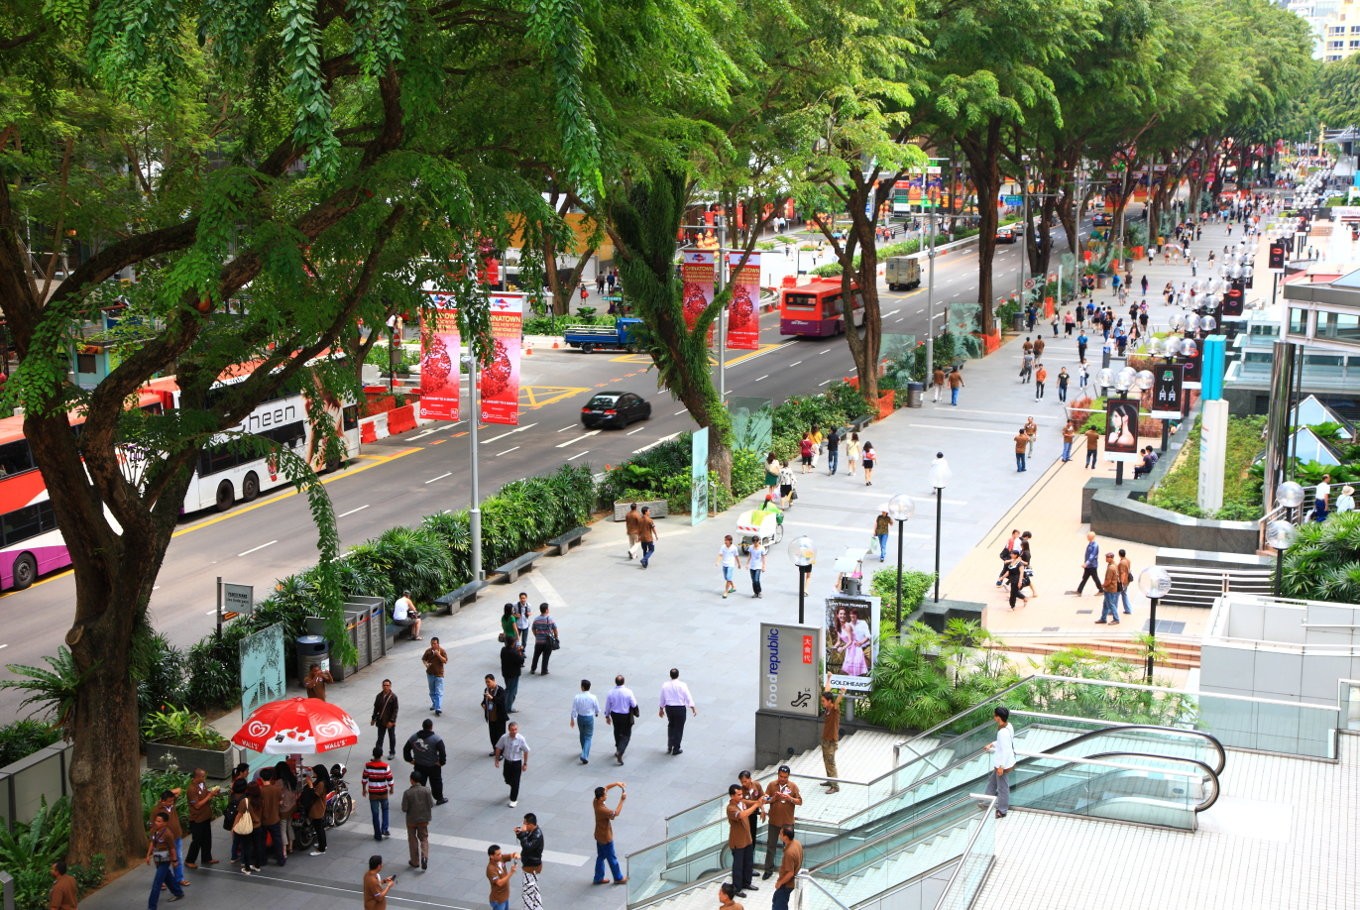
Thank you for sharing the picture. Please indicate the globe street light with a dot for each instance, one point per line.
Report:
(802, 553)
(1155, 582)
(1290, 495)
(1123, 382)
(1280, 535)
(940, 476)
(900, 509)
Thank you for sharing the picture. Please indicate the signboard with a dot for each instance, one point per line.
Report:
(238, 599)
(1121, 429)
(790, 668)
(262, 672)
(498, 378)
(1166, 391)
(743, 313)
(1012, 201)
(698, 469)
(1213, 444)
(852, 625)
(1193, 366)
(440, 372)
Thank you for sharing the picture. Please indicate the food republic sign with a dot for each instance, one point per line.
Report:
(790, 668)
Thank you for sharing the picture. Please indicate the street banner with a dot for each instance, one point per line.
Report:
(440, 373)
(743, 313)
(1193, 368)
(790, 671)
(1121, 429)
(498, 378)
(852, 626)
(696, 293)
(1166, 391)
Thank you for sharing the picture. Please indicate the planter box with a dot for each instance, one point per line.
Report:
(218, 763)
(658, 508)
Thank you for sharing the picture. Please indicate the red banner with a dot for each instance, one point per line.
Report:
(498, 379)
(696, 275)
(743, 313)
(440, 374)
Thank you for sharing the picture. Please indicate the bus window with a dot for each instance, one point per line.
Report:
(800, 302)
(15, 457)
(30, 521)
(350, 417)
(832, 307)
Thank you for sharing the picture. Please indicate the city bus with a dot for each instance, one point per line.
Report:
(225, 474)
(815, 309)
(30, 544)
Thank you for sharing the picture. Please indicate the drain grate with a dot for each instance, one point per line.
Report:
(1167, 627)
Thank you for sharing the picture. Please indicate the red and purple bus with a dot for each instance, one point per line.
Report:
(816, 309)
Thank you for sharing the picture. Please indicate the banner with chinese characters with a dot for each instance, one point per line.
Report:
(743, 314)
(440, 373)
(851, 631)
(498, 377)
(696, 276)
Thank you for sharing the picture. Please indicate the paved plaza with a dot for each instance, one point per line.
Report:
(1284, 834)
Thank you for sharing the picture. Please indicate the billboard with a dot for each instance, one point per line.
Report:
(263, 678)
(498, 378)
(696, 276)
(698, 475)
(851, 630)
(440, 373)
(790, 668)
(1166, 391)
(1121, 429)
(743, 313)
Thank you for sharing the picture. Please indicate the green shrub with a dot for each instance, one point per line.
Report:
(159, 668)
(27, 852)
(1178, 490)
(915, 586)
(22, 738)
(555, 325)
(642, 476)
(181, 727)
(215, 668)
(1324, 561)
(51, 691)
(748, 473)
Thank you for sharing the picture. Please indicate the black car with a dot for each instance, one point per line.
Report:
(614, 409)
(1006, 235)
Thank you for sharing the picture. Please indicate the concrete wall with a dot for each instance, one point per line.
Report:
(1116, 514)
(25, 784)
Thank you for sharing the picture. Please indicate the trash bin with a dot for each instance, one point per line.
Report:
(312, 649)
(915, 394)
(1018, 322)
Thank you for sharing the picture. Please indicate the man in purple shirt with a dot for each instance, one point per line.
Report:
(620, 708)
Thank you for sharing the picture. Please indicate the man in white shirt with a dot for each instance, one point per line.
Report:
(1003, 760)
(404, 613)
(675, 698)
(514, 751)
(585, 707)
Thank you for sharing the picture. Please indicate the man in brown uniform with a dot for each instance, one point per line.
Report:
(739, 840)
(937, 380)
(604, 833)
(1022, 442)
(781, 796)
(271, 816)
(434, 659)
(647, 535)
(955, 383)
(375, 886)
(200, 820)
(1111, 592)
(1092, 446)
(632, 523)
(831, 735)
(788, 869)
(167, 804)
(1125, 567)
(63, 896)
(498, 873)
(316, 682)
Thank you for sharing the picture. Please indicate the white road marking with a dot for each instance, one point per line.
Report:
(824, 382)
(430, 431)
(795, 363)
(563, 445)
(920, 311)
(440, 477)
(824, 351)
(631, 432)
(892, 312)
(468, 843)
(578, 455)
(515, 430)
(506, 452)
(570, 426)
(260, 547)
(351, 512)
(679, 412)
(766, 376)
(652, 445)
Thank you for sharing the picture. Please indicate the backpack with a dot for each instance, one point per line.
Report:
(307, 798)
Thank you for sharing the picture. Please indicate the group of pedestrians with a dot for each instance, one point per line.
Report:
(1113, 587)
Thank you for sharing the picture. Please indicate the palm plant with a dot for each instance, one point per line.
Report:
(413, 559)
(50, 691)
(1324, 561)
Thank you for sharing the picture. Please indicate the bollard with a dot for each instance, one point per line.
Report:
(7, 884)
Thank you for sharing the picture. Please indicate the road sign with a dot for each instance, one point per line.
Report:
(1029, 284)
(1012, 201)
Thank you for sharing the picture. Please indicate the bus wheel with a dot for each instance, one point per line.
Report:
(226, 498)
(250, 487)
(25, 571)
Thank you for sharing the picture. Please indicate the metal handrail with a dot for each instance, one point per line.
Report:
(1112, 725)
(806, 876)
(874, 842)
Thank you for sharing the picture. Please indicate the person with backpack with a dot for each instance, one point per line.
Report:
(425, 750)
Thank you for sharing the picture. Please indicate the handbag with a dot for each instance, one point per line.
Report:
(553, 641)
(244, 824)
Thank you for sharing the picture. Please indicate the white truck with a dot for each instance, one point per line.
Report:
(902, 273)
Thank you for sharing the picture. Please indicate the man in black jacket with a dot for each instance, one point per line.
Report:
(531, 855)
(425, 751)
(512, 665)
(494, 711)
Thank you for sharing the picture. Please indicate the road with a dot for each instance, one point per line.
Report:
(399, 480)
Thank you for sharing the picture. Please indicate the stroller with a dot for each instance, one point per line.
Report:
(765, 525)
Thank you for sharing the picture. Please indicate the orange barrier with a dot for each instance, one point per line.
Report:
(402, 419)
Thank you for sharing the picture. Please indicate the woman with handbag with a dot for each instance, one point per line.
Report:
(283, 773)
(245, 819)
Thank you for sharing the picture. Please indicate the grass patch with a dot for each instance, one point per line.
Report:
(1178, 491)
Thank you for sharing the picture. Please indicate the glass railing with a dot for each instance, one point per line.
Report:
(1349, 700)
(961, 891)
(1146, 789)
(677, 862)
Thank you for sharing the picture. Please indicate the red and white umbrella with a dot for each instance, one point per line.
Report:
(307, 725)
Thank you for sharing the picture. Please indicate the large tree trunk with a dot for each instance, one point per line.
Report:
(983, 151)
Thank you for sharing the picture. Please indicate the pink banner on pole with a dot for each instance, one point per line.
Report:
(696, 275)
(498, 380)
(743, 313)
(440, 375)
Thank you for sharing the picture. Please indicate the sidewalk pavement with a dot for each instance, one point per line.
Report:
(616, 618)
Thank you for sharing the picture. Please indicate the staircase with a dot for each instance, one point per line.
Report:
(1180, 655)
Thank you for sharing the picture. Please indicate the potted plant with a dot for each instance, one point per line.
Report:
(182, 739)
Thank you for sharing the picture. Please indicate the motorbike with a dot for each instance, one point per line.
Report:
(339, 807)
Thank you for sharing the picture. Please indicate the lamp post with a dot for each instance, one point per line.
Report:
(1155, 582)
(1290, 495)
(803, 554)
(1280, 535)
(1188, 350)
(940, 476)
(900, 509)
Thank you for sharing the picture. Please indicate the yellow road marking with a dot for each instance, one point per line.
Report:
(537, 396)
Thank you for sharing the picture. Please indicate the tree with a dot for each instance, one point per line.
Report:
(270, 174)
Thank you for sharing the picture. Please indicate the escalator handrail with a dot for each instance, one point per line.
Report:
(1220, 754)
(1105, 758)
(952, 806)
